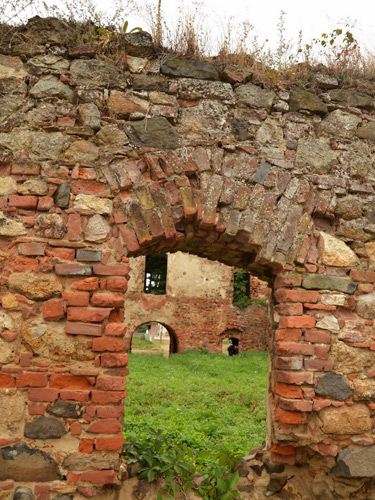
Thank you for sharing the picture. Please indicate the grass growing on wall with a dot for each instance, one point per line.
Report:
(204, 401)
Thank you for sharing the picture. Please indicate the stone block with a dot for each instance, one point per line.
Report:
(323, 282)
(333, 385)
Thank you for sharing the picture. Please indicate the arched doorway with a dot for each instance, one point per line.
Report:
(153, 338)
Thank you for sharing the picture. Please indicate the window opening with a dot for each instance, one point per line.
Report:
(156, 274)
(241, 289)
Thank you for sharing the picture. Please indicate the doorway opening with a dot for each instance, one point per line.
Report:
(153, 338)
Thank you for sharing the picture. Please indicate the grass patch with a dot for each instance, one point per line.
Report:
(200, 400)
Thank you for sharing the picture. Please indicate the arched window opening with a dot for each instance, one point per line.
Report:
(156, 274)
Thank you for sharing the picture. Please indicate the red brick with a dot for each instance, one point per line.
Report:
(86, 445)
(365, 288)
(115, 330)
(89, 284)
(72, 478)
(107, 397)
(318, 364)
(108, 300)
(112, 344)
(366, 276)
(288, 363)
(288, 334)
(120, 270)
(43, 395)
(285, 459)
(295, 405)
(117, 316)
(45, 203)
(110, 411)
(284, 348)
(109, 443)
(54, 309)
(296, 296)
(75, 429)
(61, 253)
(117, 284)
(89, 314)
(9, 336)
(6, 485)
(130, 238)
(72, 269)
(31, 249)
(297, 322)
(322, 351)
(7, 381)
(28, 202)
(289, 309)
(81, 396)
(32, 380)
(74, 227)
(320, 307)
(319, 404)
(283, 449)
(296, 378)
(105, 426)
(90, 329)
(35, 409)
(99, 476)
(19, 263)
(288, 417)
(318, 336)
(69, 382)
(111, 383)
(288, 280)
(78, 299)
(110, 360)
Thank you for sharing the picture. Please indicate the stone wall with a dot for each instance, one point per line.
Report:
(100, 163)
(198, 305)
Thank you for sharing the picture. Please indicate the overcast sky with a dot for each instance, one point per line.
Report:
(313, 18)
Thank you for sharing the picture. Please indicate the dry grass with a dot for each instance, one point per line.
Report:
(189, 36)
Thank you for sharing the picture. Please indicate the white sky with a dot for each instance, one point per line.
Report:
(312, 17)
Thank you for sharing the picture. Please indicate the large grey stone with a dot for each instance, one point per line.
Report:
(322, 282)
(302, 99)
(356, 463)
(44, 428)
(89, 115)
(50, 86)
(316, 154)
(49, 30)
(22, 463)
(341, 124)
(255, 97)
(202, 89)
(333, 385)
(95, 73)
(49, 61)
(23, 493)
(153, 132)
(139, 44)
(62, 195)
(367, 131)
(349, 207)
(189, 68)
(262, 172)
(352, 98)
(65, 409)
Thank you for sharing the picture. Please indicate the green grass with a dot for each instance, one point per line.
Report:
(205, 401)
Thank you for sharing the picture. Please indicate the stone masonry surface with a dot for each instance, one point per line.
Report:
(99, 164)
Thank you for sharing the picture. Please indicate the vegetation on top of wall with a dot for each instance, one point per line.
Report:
(336, 52)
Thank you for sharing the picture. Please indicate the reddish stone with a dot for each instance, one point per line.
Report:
(78, 299)
(365, 276)
(365, 288)
(88, 284)
(27, 202)
(111, 360)
(32, 380)
(297, 322)
(283, 449)
(105, 426)
(54, 309)
(90, 329)
(99, 477)
(108, 344)
(109, 443)
(296, 296)
(7, 381)
(89, 314)
(287, 417)
(18, 263)
(69, 382)
(115, 330)
(9, 336)
(289, 459)
(43, 395)
(120, 270)
(108, 300)
(111, 383)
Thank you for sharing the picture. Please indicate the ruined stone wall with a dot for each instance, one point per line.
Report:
(198, 305)
(100, 163)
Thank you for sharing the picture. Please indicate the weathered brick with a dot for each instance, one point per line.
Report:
(88, 314)
(109, 443)
(288, 391)
(291, 334)
(102, 270)
(78, 299)
(72, 270)
(288, 417)
(110, 360)
(318, 365)
(98, 477)
(54, 309)
(295, 405)
(317, 336)
(68, 382)
(105, 426)
(111, 383)
(32, 380)
(87, 255)
(111, 344)
(296, 378)
(296, 296)
(108, 300)
(6, 381)
(27, 202)
(288, 363)
(117, 284)
(72, 395)
(31, 249)
(74, 227)
(88, 284)
(110, 411)
(86, 445)
(297, 322)
(115, 330)
(43, 395)
(365, 276)
(284, 348)
(90, 329)
(107, 397)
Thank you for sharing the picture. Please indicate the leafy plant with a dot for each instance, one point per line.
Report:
(106, 36)
(177, 466)
(241, 289)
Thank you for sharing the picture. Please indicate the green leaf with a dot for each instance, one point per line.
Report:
(222, 484)
(136, 29)
(150, 475)
(159, 497)
(233, 480)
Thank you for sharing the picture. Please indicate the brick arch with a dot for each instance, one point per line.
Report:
(173, 339)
